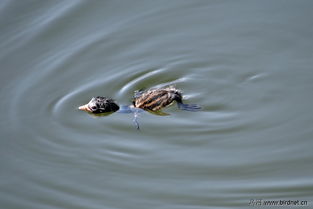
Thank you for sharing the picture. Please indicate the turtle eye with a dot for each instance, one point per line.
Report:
(93, 107)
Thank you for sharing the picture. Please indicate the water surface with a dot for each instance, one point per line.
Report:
(247, 63)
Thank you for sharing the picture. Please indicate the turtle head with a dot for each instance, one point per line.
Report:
(100, 105)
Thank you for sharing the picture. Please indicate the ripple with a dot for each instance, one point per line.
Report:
(131, 85)
(252, 129)
(141, 81)
(33, 24)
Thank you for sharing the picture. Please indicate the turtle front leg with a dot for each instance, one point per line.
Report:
(135, 120)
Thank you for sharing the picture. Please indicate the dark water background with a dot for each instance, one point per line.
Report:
(248, 63)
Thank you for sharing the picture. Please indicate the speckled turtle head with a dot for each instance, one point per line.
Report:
(100, 105)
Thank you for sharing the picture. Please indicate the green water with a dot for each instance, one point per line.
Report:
(247, 63)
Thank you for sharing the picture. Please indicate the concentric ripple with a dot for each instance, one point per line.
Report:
(250, 72)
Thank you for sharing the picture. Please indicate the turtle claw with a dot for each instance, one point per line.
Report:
(135, 120)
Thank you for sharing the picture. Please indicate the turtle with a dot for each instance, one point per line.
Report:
(152, 100)
(158, 98)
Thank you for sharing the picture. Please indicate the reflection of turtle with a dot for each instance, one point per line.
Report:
(151, 100)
